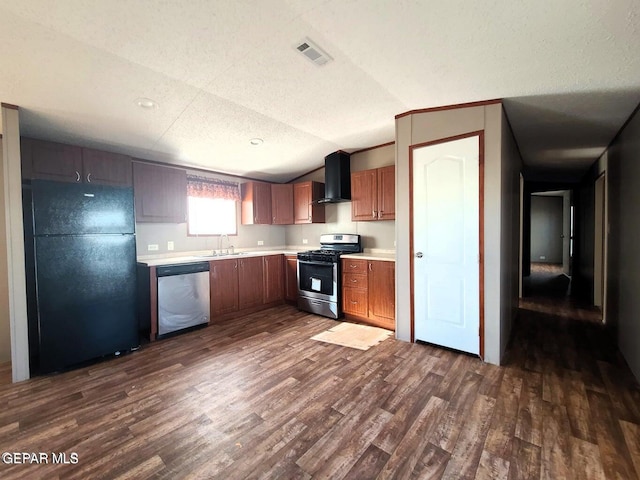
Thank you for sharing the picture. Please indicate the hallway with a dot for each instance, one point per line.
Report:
(547, 290)
(579, 399)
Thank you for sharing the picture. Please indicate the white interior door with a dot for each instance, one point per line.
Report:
(446, 244)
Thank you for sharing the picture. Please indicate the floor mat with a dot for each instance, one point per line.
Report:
(353, 335)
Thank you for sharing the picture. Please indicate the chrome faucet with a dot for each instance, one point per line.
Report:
(220, 244)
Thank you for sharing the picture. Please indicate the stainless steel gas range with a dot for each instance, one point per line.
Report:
(320, 276)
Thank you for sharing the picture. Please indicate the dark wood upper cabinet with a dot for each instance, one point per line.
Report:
(304, 196)
(106, 168)
(67, 163)
(256, 203)
(373, 194)
(387, 193)
(250, 282)
(364, 186)
(51, 161)
(282, 204)
(160, 193)
(273, 278)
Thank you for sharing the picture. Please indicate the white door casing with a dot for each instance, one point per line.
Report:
(446, 244)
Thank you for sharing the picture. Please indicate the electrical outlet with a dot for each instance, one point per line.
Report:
(543, 257)
(305, 241)
(170, 246)
(152, 247)
(260, 242)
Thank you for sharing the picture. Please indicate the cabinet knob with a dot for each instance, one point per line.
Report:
(370, 269)
(77, 176)
(373, 214)
(380, 214)
(88, 177)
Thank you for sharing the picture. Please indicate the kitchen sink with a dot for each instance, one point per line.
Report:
(217, 255)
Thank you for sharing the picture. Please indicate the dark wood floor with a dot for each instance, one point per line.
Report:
(256, 398)
(548, 290)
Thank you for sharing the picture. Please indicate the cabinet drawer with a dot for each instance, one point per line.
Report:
(354, 266)
(355, 280)
(355, 301)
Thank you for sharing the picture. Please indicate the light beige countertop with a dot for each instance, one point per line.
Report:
(382, 256)
(205, 256)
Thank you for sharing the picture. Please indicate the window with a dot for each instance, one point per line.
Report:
(211, 216)
(211, 206)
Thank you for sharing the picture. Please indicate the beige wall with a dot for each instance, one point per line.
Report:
(511, 166)
(248, 236)
(623, 275)
(5, 328)
(500, 267)
(375, 235)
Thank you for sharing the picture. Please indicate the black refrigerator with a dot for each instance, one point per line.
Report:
(81, 272)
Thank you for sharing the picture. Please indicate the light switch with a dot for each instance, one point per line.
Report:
(152, 247)
(170, 246)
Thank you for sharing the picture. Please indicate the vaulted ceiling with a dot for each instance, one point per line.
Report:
(224, 72)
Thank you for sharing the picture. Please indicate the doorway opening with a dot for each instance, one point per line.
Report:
(556, 224)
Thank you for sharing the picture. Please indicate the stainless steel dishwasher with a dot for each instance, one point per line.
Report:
(183, 296)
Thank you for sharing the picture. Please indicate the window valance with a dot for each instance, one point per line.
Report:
(212, 188)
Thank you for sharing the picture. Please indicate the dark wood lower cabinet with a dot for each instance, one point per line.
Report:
(250, 282)
(273, 278)
(369, 294)
(291, 278)
(238, 286)
(224, 287)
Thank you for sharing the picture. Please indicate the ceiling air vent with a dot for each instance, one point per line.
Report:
(313, 52)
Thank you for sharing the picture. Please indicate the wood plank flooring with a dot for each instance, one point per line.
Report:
(256, 398)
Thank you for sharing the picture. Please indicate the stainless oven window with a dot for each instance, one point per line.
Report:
(316, 277)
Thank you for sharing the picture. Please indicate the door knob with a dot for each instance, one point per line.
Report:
(418, 254)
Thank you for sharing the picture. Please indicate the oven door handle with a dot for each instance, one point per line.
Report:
(310, 262)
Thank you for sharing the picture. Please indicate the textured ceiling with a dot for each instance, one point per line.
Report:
(223, 72)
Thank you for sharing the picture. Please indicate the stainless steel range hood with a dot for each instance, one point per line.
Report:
(337, 178)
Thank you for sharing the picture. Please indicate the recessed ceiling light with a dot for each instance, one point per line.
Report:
(147, 103)
(256, 141)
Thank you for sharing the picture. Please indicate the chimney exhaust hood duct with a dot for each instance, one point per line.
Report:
(337, 178)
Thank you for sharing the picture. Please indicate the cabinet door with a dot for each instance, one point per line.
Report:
(52, 161)
(363, 195)
(354, 301)
(273, 278)
(350, 266)
(250, 282)
(224, 286)
(382, 290)
(263, 203)
(302, 202)
(387, 193)
(304, 194)
(282, 204)
(256, 203)
(160, 193)
(106, 168)
(291, 274)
